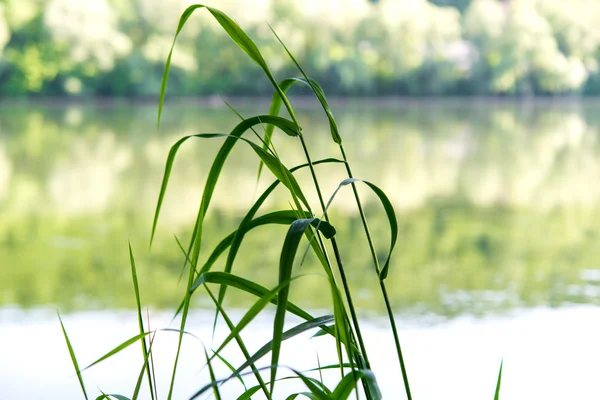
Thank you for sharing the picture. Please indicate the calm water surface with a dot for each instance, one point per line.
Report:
(498, 206)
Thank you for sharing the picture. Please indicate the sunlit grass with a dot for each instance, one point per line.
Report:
(305, 222)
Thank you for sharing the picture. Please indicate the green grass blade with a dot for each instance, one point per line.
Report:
(278, 217)
(108, 396)
(243, 227)
(139, 315)
(348, 383)
(208, 386)
(117, 349)
(389, 211)
(499, 382)
(316, 389)
(232, 29)
(298, 329)
(282, 173)
(213, 379)
(341, 328)
(286, 261)
(237, 35)
(248, 393)
(236, 237)
(284, 217)
(317, 90)
(73, 358)
(253, 311)
(232, 369)
(266, 147)
(254, 289)
(145, 367)
(274, 110)
(241, 345)
(330, 366)
(285, 125)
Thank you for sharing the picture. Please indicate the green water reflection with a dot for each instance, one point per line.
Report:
(499, 205)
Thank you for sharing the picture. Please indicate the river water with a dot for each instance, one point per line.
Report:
(499, 215)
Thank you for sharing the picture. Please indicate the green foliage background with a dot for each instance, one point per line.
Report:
(354, 47)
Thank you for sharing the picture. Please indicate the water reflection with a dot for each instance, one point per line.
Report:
(498, 204)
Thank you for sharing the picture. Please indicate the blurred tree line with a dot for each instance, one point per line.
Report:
(353, 47)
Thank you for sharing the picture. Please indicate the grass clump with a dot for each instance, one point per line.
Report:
(306, 222)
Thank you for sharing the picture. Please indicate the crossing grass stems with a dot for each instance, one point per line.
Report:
(305, 221)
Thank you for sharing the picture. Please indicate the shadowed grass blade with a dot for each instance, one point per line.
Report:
(499, 382)
(73, 358)
(139, 315)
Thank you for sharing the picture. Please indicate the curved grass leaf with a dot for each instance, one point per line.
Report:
(231, 368)
(254, 311)
(286, 84)
(298, 329)
(248, 393)
(284, 217)
(331, 366)
(348, 383)
(308, 395)
(284, 124)
(237, 35)
(117, 349)
(251, 288)
(341, 327)
(73, 358)
(254, 389)
(318, 391)
(499, 382)
(274, 110)
(108, 396)
(317, 90)
(245, 223)
(389, 211)
(286, 261)
(276, 167)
